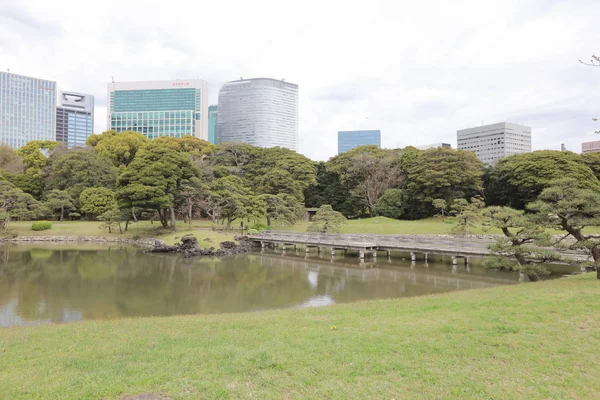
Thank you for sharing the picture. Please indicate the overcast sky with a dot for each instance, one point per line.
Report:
(416, 70)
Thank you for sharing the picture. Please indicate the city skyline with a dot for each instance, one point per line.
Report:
(441, 77)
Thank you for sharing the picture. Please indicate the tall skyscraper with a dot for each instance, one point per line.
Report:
(590, 147)
(493, 142)
(347, 140)
(27, 109)
(261, 111)
(74, 118)
(159, 108)
(434, 146)
(213, 113)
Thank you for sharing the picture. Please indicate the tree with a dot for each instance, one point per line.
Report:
(15, 204)
(153, 179)
(234, 199)
(32, 153)
(523, 241)
(191, 195)
(468, 214)
(440, 204)
(60, 200)
(519, 179)
(97, 201)
(282, 208)
(592, 160)
(564, 205)
(326, 220)
(441, 173)
(10, 161)
(78, 170)
(121, 148)
(278, 181)
(390, 204)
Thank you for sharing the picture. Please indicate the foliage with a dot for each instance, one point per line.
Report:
(119, 148)
(282, 208)
(565, 205)
(61, 201)
(592, 160)
(235, 200)
(78, 170)
(519, 179)
(523, 241)
(155, 177)
(281, 181)
(326, 220)
(33, 153)
(15, 204)
(10, 161)
(41, 225)
(467, 214)
(440, 204)
(441, 173)
(97, 201)
(390, 204)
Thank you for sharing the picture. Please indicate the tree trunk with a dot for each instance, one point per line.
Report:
(596, 256)
(228, 223)
(172, 212)
(62, 212)
(120, 229)
(268, 221)
(190, 215)
(533, 277)
(162, 214)
(133, 215)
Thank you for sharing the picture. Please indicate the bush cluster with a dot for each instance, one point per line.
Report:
(41, 225)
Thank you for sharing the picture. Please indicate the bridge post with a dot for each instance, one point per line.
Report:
(466, 260)
(332, 252)
(361, 254)
(375, 255)
(262, 244)
(453, 260)
(413, 256)
(426, 257)
(306, 249)
(283, 246)
(389, 254)
(318, 249)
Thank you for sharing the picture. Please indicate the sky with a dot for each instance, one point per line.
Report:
(416, 70)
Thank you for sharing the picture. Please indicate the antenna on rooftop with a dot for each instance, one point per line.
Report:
(113, 79)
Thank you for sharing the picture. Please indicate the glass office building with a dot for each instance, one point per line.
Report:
(159, 108)
(262, 112)
(347, 140)
(74, 118)
(27, 109)
(213, 112)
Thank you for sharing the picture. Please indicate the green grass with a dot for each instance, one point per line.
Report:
(384, 226)
(530, 341)
(201, 229)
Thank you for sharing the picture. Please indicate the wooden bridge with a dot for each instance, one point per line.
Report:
(455, 247)
(371, 244)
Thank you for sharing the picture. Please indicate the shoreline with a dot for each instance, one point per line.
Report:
(146, 242)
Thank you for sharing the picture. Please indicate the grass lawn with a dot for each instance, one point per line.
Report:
(529, 341)
(200, 229)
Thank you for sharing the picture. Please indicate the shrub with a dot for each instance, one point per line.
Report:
(41, 225)
(252, 231)
(260, 227)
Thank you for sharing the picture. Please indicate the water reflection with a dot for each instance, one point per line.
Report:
(42, 284)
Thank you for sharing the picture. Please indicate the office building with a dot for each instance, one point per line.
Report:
(213, 112)
(27, 109)
(159, 108)
(434, 146)
(74, 118)
(262, 112)
(493, 142)
(590, 147)
(347, 140)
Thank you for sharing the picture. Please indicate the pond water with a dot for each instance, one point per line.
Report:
(60, 283)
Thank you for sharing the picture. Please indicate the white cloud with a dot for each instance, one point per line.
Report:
(416, 70)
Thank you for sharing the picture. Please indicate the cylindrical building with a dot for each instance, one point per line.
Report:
(261, 111)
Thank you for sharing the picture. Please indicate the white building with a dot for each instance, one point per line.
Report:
(590, 147)
(434, 146)
(74, 118)
(493, 142)
(261, 111)
(159, 108)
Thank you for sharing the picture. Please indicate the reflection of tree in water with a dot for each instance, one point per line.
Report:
(69, 284)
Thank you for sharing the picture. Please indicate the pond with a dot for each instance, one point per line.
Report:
(61, 283)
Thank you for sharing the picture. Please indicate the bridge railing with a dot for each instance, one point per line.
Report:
(423, 243)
